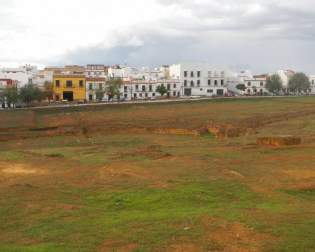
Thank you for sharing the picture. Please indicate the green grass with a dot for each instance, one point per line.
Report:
(308, 194)
(11, 155)
(297, 237)
(154, 190)
(152, 214)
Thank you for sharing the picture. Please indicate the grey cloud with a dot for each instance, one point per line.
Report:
(155, 49)
(271, 17)
(263, 35)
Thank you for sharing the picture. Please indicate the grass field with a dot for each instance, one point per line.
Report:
(86, 179)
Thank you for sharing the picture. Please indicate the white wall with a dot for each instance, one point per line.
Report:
(312, 81)
(211, 81)
(23, 75)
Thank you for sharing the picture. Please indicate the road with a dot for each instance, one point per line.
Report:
(149, 102)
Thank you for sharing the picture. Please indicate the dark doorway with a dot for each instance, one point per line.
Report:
(220, 92)
(187, 91)
(68, 95)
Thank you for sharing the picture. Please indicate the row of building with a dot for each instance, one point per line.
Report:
(83, 83)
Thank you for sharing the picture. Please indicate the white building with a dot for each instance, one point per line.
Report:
(255, 85)
(96, 71)
(42, 77)
(132, 73)
(134, 89)
(23, 75)
(312, 81)
(200, 79)
(117, 72)
(285, 76)
(93, 85)
(142, 90)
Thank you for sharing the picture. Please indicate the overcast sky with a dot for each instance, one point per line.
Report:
(263, 35)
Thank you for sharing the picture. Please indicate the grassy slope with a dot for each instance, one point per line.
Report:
(147, 192)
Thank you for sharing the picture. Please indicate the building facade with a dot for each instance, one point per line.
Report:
(312, 82)
(96, 71)
(200, 79)
(94, 87)
(69, 87)
(285, 76)
(255, 85)
(147, 90)
(23, 75)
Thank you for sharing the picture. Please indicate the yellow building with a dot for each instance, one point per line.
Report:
(69, 87)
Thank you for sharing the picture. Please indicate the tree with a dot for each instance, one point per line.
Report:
(11, 95)
(48, 91)
(241, 87)
(113, 88)
(299, 83)
(30, 93)
(161, 90)
(274, 84)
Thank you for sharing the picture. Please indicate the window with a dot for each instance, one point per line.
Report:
(185, 83)
(261, 84)
(198, 74)
(90, 86)
(216, 82)
(143, 88)
(135, 95)
(168, 86)
(191, 74)
(150, 88)
(137, 87)
(209, 82)
(174, 86)
(153, 94)
(69, 83)
(201, 89)
(192, 83)
(57, 83)
(198, 83)
(174, 93)
(222, 82)
(249, 84)
(100, 86)
(125, 89)
(210, 91)
(185, 73)
(140, 94)
(81, 83)
(126, 96)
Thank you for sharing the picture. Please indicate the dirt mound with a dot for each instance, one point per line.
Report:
(250, 125)
(225, 130)
(18, 169)
(278, 141)
(232, 236)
